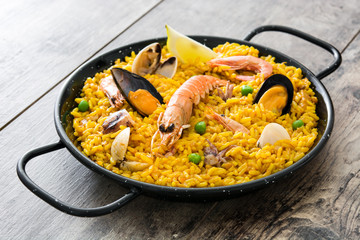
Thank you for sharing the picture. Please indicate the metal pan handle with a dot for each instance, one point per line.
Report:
(328, 47)
(60, 205)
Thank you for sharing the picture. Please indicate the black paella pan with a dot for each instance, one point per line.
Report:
(72, 88)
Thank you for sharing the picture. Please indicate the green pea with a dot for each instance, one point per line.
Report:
(200, 127)
(83, 106)
(298, 123)
(195, 158)
(245, 90)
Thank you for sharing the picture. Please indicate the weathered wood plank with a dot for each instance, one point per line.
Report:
(64, 177)
(321, 200)
(333, 21)
(42, 42)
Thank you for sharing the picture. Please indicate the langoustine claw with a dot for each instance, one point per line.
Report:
(175, 119)
(108, 86)
(228, 92)
(244, 63)
(228, 123)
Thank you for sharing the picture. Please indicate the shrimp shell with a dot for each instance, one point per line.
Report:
(244, 63)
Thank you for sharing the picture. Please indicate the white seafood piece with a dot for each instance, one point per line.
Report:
(272, 133)
(168, 67)
(134, 166)
(115, 120)
(120, 144)
(147, 60)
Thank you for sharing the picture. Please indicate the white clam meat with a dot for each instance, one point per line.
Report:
(272, 133)
(120, 144)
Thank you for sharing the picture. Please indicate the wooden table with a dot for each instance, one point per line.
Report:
(42, 42)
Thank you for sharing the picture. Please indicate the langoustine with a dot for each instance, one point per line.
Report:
(175, 119)
(244, 63)
(228, 92)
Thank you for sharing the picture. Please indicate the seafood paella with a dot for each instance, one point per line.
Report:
(184, 115)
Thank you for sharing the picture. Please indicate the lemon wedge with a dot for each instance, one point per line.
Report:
(186, 49)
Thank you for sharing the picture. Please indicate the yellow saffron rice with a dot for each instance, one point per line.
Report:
(248, 162)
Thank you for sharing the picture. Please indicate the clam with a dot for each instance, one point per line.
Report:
(147, 61)
(272, 133)
(138, 92)
(168, 67)
(118, 151)
(120, 144)
(276, 94)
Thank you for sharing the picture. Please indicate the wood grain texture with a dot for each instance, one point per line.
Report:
(43, 41)
(333, 21)
(321, 201)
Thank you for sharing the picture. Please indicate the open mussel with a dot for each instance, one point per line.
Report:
(276, 94)
(138, 92)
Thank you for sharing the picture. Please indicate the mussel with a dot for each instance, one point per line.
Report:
(138, 92)
(148, 61)
(276, 94)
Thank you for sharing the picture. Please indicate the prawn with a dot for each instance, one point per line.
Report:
(174, 120)
(244, 63)
(228, 123)
(108, 86)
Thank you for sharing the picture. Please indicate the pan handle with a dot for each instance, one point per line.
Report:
(328, 47)
(58, 204)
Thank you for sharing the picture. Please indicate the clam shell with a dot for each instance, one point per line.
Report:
(272, 133)
(120, 144)
(168, 67)
(147, 60)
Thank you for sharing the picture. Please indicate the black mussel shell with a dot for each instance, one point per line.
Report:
(127, 81)
(277, 79)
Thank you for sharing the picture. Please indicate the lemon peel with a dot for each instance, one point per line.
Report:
(186, 49)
